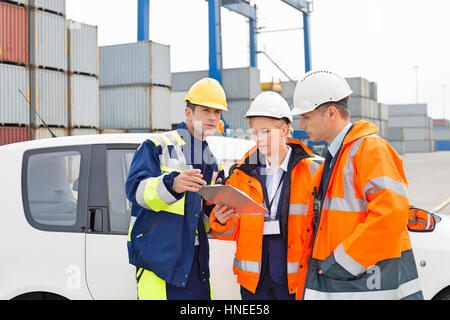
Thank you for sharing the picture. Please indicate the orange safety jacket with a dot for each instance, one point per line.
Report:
(360, 240)
(247, 229)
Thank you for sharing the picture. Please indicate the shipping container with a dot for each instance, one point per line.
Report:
(395, 134)
(238, 83)
(84, 102)
(112, 131)
(384, 129)
(49, 95)
(397, 110)
(418, 146)
(13, 34)
(408, 121)
(43, 133)
(54, 6)
(84, 131)
(177, 107)
(13, 106)
(359, 107)
(140, 63)
(10, 135)
(443, 145)
(20, 2)
(383, 111)
(441, 123)
(48, 40)
(399, 146)
(373, 91)
(83, 57)
(135, 107)
(241, 83)
(441, 134)
(360, 86)
(417, 134)
(234, 118)
(288, 89)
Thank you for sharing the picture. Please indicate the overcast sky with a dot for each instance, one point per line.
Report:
(381, 40)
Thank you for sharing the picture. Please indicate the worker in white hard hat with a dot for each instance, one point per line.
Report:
(277, 174)
(359, 246)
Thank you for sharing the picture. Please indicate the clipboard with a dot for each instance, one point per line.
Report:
(233, 197)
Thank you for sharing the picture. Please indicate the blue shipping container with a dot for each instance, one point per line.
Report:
(443, 145)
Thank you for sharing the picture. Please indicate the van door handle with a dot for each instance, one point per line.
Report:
(95, 220)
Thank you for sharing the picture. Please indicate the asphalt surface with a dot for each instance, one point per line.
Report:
(428, 177)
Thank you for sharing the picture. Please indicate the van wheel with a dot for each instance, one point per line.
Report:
(444, 294)
(39, 296)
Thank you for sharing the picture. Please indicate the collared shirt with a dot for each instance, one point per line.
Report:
(273, 177)
(334, 146)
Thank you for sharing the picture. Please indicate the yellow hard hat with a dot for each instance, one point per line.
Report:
(209, 93)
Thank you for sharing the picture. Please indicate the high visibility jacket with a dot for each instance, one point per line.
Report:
(247, 229)
(164, 225)
(360, 240)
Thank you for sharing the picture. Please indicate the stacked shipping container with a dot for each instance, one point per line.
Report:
(54, 63)
(241, 86)
(417, 134)
(135, 85)
(441, 134)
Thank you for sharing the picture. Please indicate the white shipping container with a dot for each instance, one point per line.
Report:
(395, 134)
(360, 86)
(441, 134)
(144, 63)
(383, 111)
(288, 89)
(397, 110)
(408, 121)
(241, 83)
(238, 83)
(374, 111)
(43, 133)
(48, 40)
(84, 101)
(135, 107)
(84, 131)
(399, 146)
(359, 107)
(417, 134)
(13, 107)
(177, 107)
(373, 91)
(418, 146)
(55, 6)
(234, 118)
(83, 48)
(49, 94)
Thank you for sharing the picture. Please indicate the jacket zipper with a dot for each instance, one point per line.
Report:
(148, 229)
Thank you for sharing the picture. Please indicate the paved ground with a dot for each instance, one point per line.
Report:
(428, 177)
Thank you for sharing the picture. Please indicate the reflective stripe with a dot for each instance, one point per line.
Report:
(418, 221)
(347, 262)
(383, 183)
(292, 267)
(151, 287)
(248, 266)
(313, 166)
(132, 222)
(163, 193)
(140, 193)
(298, 209)
(346, 205)
(403, 291)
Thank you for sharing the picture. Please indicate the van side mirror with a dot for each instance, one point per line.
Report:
(420, 220)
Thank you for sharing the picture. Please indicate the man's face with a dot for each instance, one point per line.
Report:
(316, 124)
(205, 120)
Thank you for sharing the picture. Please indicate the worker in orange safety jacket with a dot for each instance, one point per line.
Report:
(357, 245)
(277, 174)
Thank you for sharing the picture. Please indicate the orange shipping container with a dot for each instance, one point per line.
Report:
(13, 34)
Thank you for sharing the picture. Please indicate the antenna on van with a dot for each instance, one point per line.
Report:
(34, 109)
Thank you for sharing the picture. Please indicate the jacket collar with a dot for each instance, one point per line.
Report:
(360, 129)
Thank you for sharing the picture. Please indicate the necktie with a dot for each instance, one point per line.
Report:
(326, 175)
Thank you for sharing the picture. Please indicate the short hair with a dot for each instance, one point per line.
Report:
(340, 105)
(190, 106)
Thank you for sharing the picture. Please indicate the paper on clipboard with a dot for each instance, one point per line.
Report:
(233, 197)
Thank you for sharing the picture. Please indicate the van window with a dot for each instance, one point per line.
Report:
(119, 162)
(52, 185)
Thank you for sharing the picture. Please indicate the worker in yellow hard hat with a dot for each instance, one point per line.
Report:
(167, 241)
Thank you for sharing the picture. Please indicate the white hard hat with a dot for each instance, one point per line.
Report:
(269, 104)
(318, 87)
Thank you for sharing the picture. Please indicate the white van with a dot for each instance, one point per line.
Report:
(64, 220)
